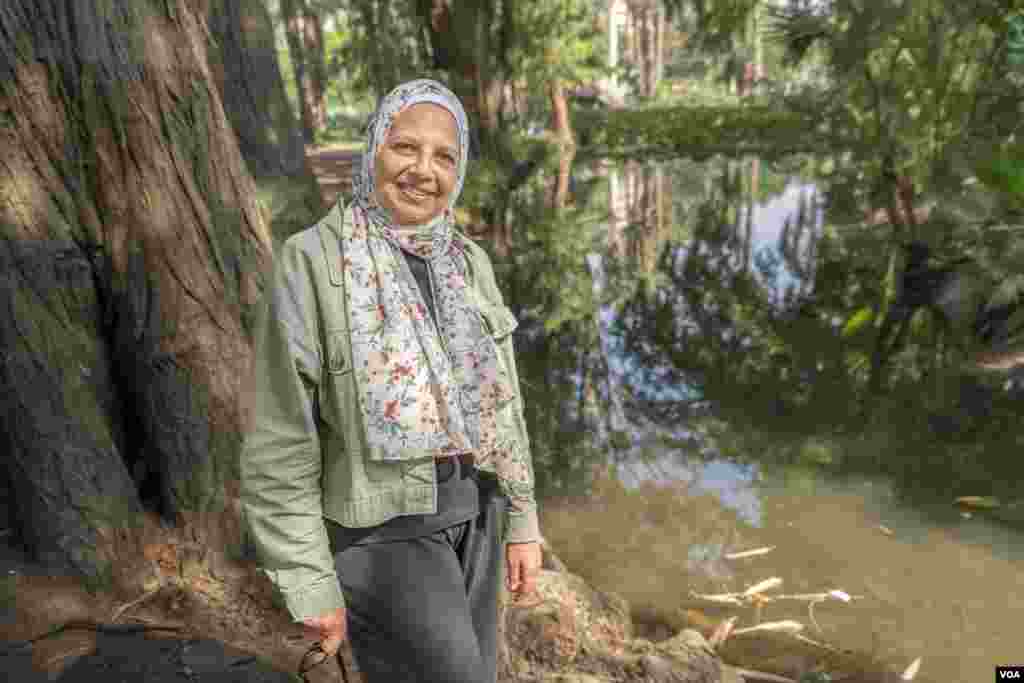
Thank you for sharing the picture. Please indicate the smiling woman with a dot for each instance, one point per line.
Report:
(416, 169)
(419, 469)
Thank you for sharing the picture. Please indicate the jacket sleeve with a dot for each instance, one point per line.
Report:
(522, 524)
(281, 460)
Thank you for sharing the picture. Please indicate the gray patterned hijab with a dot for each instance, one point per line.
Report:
(439, 230)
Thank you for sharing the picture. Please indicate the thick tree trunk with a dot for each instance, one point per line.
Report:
(305, 47)
(133, 258)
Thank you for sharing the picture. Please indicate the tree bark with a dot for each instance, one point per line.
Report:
(134, 256)
(560, 196)
(477, 65)
(243, 56)
(659, 46)
(561, 122)
(305, 48)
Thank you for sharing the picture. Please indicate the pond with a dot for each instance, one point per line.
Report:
(733, 332)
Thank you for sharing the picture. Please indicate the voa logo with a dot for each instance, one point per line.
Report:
(1009, 675)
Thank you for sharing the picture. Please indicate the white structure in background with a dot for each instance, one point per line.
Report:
(618, 12)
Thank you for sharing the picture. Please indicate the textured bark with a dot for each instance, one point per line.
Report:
(305, 47)
(469, 41)
(133, 255)
(560, 196)
(561, 124)
(244, 65)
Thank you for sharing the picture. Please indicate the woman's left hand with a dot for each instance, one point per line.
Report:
(523, 567)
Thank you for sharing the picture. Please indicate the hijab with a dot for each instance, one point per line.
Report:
(424, 390)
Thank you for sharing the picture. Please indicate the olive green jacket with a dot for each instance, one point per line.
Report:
(304, 454)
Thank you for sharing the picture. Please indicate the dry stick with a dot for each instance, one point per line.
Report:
(761, 676)
(128, 605)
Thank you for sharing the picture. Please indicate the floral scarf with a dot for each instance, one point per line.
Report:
(424, 390)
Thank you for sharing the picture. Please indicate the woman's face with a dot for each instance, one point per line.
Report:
(416, 168)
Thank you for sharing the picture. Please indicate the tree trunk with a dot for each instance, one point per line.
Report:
(134, 260)
(313, 44)
(659, 46)
(305, 48)
(476, 65)
(244, 54)
(561, 122)
(560, 196)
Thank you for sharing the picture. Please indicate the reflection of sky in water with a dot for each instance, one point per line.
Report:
(767, 230)
(769, 221)
(732, 484)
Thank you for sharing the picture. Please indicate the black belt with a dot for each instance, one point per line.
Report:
(466, 459)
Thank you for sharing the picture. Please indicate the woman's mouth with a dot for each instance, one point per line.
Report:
(413, 194)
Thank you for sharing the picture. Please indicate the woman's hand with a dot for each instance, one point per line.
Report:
(331, 629)
(523, 567)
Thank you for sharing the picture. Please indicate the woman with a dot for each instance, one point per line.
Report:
(386, 468)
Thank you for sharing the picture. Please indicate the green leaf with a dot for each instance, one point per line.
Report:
(857, 321)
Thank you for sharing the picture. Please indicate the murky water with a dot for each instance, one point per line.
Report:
(933, 584)
(753, 338)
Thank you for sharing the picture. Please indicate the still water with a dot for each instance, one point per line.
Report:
(934, 584)
(740, 355)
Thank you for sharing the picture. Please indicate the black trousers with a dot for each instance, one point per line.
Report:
(425, 610)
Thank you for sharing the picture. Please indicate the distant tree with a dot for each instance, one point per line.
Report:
(303, 28)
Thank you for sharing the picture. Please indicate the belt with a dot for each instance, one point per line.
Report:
(466, 459)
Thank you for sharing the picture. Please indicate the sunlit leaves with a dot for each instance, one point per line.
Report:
(858, 321)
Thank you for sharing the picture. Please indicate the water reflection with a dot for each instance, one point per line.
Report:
(805, 380)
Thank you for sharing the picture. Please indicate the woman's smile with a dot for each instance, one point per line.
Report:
(414, 194)
(416, 169)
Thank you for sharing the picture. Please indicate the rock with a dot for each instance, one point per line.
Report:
(550, 561)
(575, 634)
(573, 678)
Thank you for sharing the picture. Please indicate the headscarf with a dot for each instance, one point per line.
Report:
(423, 391)
(402, 97)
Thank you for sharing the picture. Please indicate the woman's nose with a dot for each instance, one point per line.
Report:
(422, 165)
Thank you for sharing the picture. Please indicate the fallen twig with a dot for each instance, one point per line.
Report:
(911, 671)
(128, 605)
(749, 553)
(787, 626)
(761, 676)
(762, 586)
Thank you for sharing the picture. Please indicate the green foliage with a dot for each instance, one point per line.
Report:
(670, 130)
(555, 39)
(909, 82)
(858, 321)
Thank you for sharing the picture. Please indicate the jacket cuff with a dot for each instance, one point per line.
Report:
(522, 527)
(314, 601)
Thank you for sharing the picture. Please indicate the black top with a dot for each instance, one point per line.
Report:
(457, 491)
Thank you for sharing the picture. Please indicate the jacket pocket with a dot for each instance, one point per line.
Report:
(498, 319)
(339, 353)
(336, 396)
